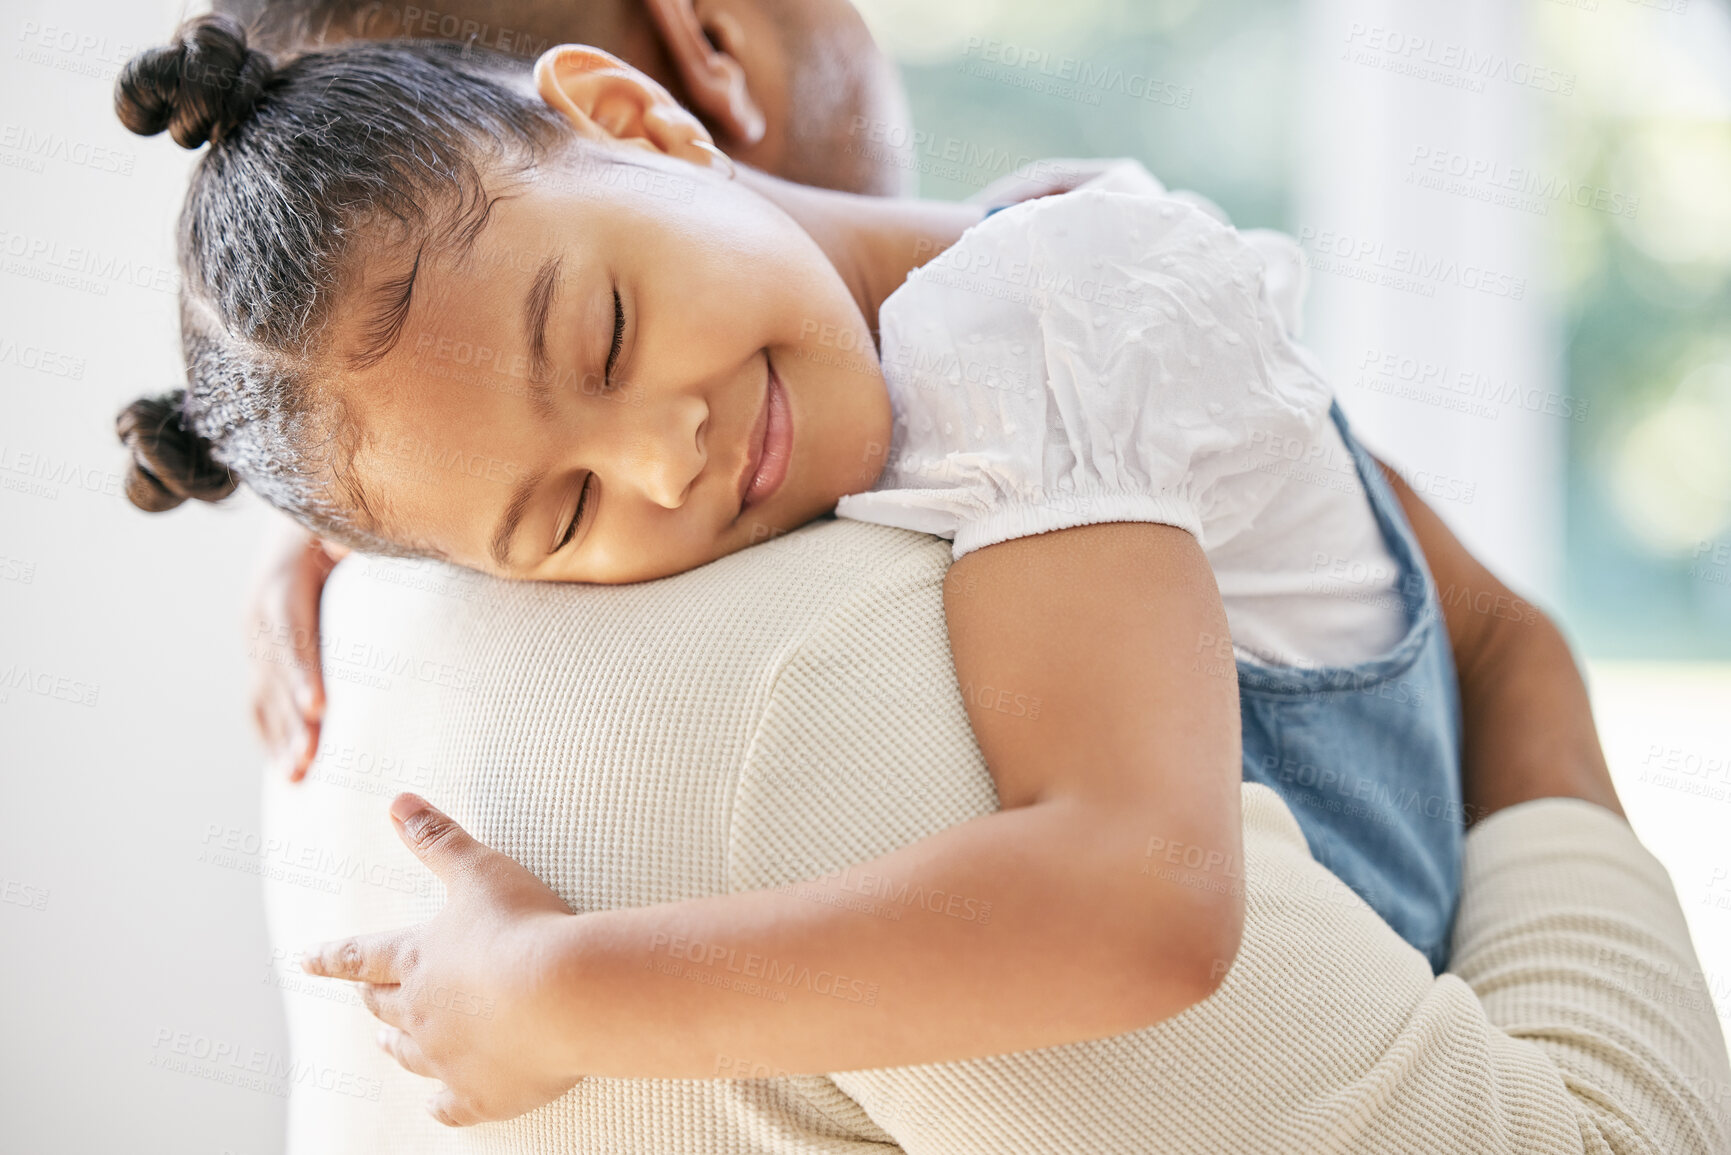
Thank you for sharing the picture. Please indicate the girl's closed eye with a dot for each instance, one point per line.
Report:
(583, 502)
(586, 492)
(618, 341)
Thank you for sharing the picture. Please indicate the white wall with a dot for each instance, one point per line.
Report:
(1430, 305)
(105, 806)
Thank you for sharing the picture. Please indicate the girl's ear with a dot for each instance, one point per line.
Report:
(605, 99)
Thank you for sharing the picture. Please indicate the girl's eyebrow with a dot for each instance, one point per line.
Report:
(513, 518)
(536, 307)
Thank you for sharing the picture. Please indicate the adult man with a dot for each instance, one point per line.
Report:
(781, 84)
(758, 721)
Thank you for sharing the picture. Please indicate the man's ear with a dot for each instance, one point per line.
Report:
(709, 67)
(605, 99)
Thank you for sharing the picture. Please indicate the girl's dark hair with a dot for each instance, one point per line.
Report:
(311, 167)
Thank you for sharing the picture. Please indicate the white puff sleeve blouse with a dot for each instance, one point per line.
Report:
(1090, 357)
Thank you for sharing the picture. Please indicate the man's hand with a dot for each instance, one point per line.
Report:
(471, 997)
(288, 693)
(1527, 724)
(1042, 179)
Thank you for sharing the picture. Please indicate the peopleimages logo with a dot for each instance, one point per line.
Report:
(1510, 186)
(1465, 391)
(79, 266)
(22, 894)
(35, 147)
(29, 679)
(1038, 69)
(39, 359)
(761, 969)
(71, 50)
(1400, 267)
(1443, 62)
(14, 569)
(412, 20)
(315, 867)
(41, 474)
(1712, 562)
(951, 157)
(253, 1068)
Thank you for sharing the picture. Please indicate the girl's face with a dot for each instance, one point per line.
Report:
(636, 367)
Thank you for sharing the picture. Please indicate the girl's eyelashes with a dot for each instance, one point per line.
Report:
(618, 339)
(577, 516)
(585, 494)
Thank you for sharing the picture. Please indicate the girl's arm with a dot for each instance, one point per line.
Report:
(1112, 875)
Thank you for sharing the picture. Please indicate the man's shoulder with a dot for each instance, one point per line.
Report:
(863, 744)
(844, 558)
(781, 587)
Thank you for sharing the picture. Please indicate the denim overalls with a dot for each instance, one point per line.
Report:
(1368, 757)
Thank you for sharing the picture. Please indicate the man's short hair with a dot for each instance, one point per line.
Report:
(283, 27)
(835, 78)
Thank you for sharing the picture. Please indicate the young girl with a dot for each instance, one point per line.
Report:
(400, 253)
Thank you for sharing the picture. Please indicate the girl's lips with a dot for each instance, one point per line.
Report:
(773, 454)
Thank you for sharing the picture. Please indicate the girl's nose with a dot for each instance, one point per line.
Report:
(670, 451)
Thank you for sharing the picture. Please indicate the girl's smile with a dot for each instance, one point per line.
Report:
(770, 446)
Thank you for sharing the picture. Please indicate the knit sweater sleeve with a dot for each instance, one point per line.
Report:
(1572, 937)
(1330, 1035)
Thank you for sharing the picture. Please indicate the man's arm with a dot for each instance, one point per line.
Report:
(1526, 720)
(288, 689)
(1569, 930)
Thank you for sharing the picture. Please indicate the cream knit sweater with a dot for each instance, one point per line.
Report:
(793, 709)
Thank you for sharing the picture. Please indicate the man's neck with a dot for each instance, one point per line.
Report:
(873, 242)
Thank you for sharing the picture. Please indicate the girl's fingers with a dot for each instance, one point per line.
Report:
(307, 686)
(448, 1108)
(446, 848)
(278, 726)
(407, 1052)
(306, 748)
(368, 958)
(288, 736)
(312, 568)
(384, 1001)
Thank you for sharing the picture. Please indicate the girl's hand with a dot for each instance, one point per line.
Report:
(471, 997)
(288, 693)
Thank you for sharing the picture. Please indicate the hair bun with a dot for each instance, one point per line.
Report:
(170, 463)
(199, 88)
